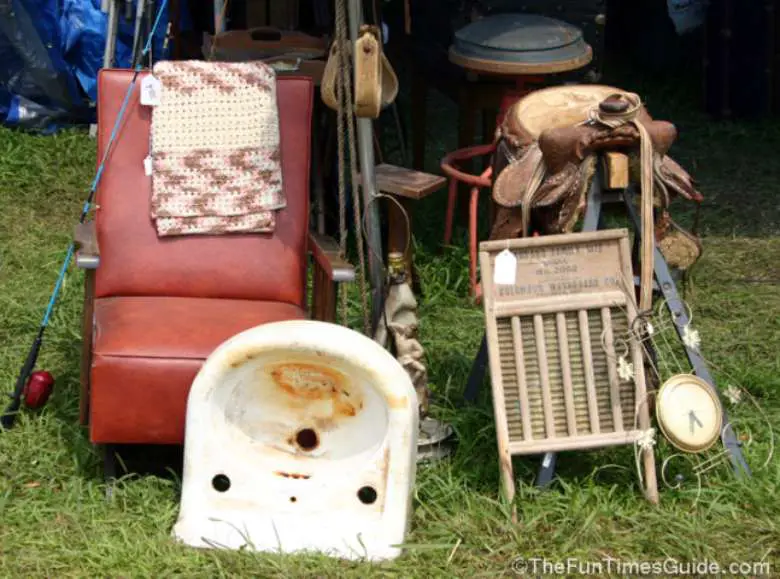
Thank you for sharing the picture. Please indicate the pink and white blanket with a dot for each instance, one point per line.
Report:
(216, 158)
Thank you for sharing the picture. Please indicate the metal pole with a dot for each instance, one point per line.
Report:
(112, 23)
(219, 22)
(365, 145)
(137, 34)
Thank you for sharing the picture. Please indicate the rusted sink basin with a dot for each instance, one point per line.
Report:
(300, 436)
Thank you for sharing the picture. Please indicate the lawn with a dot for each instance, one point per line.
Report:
(56, 522)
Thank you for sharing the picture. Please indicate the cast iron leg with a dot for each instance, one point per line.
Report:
(109, 468)
(477, 374)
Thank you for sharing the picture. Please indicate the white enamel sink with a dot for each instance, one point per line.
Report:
(300, 436)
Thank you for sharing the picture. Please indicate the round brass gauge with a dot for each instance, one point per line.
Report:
(689, 413)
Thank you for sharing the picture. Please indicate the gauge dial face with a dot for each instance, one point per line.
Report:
(689, 413)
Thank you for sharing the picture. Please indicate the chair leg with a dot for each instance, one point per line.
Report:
(452, 197)
(109, 467)
(473, 240)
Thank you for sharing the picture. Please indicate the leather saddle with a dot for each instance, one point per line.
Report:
(547, 148)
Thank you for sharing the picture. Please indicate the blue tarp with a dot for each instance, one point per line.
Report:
(50, 53)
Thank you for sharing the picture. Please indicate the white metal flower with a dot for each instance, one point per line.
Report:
(691, 338)
(650, 329)
(647, 439)
(625, 369)
(734, 394)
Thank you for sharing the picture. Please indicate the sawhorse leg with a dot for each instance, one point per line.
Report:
(679, 316)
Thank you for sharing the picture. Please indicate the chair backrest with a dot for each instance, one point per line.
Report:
(135, 261)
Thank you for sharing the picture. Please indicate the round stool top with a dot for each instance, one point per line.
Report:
(515, 44)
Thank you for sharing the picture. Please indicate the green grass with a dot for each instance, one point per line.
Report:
(56, 522)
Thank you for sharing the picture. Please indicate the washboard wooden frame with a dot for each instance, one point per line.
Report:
(552, 349)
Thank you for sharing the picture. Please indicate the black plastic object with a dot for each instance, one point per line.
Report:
(520, 39)
(36, 89)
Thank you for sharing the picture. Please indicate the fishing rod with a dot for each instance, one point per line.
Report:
(34, 388)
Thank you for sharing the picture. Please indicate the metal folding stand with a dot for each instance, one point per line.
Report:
(664, 283)
(680, 318)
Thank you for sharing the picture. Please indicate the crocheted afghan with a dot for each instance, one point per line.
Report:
(216, 164)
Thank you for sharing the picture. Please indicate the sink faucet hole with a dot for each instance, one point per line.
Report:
(367, 495)
(221, 483)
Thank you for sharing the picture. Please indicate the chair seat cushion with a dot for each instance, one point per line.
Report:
(146, 353)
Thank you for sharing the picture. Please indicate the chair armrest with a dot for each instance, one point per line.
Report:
(325, 251)
(85, 240)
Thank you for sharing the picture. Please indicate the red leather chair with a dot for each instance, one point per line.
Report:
(155, 308)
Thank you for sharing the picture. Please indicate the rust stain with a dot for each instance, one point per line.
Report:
(242, 359)
(293, 475)
(315, 382)
(309, 381)
(324, 424)
(397, 403)
(384, 464)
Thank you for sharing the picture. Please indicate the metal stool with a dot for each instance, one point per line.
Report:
(525, 48)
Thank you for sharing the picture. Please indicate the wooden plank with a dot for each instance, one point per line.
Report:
(544, 376)
(590, 377)
(407, 182)
(581, 442)
(568, 388)
(614, 382)
(522, 387)
(565, 303)
(553, 240)
(499, 404)
(616, 169)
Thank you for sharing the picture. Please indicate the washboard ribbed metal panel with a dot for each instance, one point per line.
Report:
(555, 338)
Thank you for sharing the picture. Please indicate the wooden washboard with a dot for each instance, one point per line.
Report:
(551, 343)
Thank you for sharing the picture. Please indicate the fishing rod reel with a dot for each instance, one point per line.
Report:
(33, 388)
(33, 396)
(38, 389)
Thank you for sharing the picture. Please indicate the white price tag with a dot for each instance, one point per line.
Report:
(151, 89)
(505, 268)
(148, 166)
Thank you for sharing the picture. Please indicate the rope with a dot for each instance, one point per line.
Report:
(340, 130)
(346, 110)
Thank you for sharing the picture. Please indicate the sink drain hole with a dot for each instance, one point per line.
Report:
(221, 483)
(307, 439)
(367, 495)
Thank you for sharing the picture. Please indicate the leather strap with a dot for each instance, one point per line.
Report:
(620, 109)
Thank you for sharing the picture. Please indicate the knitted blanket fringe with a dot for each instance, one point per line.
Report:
(215, 149)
